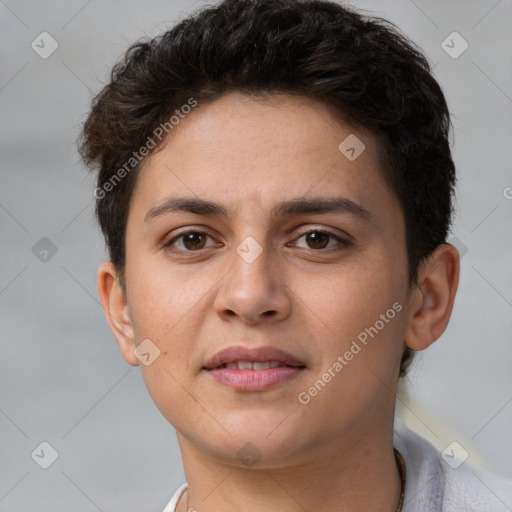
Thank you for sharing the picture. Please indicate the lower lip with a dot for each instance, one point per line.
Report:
(254, 380)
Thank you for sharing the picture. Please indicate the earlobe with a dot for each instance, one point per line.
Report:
(116, 310)
(432, 298)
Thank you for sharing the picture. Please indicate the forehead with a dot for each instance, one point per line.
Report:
(247, 153)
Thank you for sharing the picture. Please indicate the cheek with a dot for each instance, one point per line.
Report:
(168, 307)
(356, 313)
(164, 300)
(358, 323)
(351, 296)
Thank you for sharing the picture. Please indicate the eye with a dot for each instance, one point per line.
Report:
(194, 240)
(319, 239)
(190, 241)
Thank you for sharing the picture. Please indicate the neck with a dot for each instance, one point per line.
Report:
(356, 474)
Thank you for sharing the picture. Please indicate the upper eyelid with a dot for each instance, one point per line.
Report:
(203, 231)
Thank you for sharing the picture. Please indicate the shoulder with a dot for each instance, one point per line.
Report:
(476, 489)
(433, 484)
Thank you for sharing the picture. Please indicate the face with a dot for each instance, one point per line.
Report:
(268, 265)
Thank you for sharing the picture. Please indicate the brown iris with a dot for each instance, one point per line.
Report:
(194, 241)
(315, 237)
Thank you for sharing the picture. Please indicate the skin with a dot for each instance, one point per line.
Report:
(309, 297)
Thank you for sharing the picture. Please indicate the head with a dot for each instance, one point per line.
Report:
(313, 139)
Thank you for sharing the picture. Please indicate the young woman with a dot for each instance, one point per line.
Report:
(275, 188)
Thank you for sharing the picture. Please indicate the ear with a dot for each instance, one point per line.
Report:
(116, 310)
(432, 297)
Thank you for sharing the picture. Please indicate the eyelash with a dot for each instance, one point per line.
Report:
(341, 242)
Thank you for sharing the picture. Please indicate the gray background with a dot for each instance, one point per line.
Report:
(63, 380)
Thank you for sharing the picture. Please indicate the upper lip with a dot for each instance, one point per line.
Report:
(261, 354)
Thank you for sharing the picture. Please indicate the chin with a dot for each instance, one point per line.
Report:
(256, 442)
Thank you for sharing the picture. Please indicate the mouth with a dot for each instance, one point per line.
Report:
(252, 365)
(258, 369)
(261, 358)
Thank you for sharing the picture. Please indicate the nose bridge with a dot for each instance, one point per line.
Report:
(251, 262)
(252, 288)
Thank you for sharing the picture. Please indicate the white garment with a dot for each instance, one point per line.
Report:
(171, 506)
(432, 485)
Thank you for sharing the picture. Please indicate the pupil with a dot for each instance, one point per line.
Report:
(193, 239)
(316, 236)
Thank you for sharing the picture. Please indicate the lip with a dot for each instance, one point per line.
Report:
(253, 380)
(239, 353)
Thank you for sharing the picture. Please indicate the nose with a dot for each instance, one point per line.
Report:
(253, 291)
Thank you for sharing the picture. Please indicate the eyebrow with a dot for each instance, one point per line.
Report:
(297, 206)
